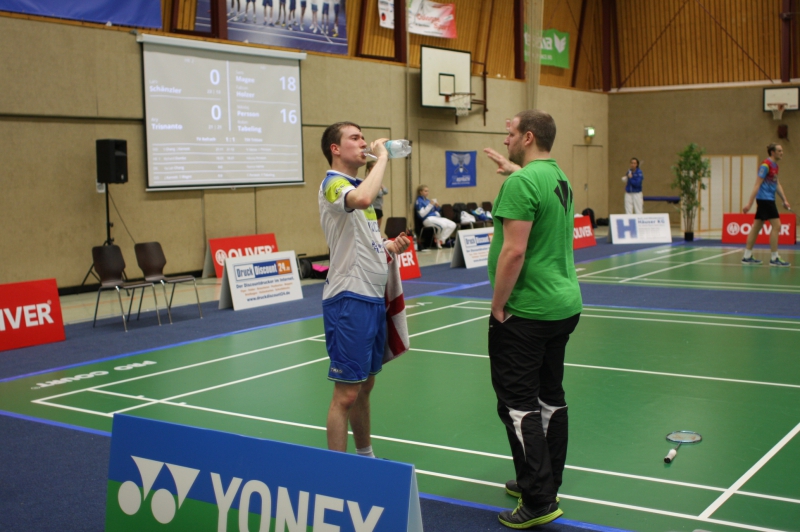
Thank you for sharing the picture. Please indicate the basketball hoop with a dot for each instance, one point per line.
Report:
(462, 101)
(777, 110)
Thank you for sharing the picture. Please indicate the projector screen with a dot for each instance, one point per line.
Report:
(220, 116)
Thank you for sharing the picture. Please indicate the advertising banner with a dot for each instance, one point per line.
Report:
(255, 281)
(639, 229)
(736, 227)
(30, 314)
(386, 12)
(409, 265)
(583, 234)
(219, 249)
(313, 25)
(472, 248)
(432, 19)
(164, 476)
(461, 168)
(555, 49)
(139, 13)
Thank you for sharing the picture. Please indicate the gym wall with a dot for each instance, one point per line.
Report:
(67, 85)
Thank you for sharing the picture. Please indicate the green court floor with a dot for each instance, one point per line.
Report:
(632, 377)
(717, 268)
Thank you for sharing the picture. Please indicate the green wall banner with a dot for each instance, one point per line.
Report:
(555, 48)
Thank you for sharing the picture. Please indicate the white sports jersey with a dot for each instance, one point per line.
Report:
(358, 261)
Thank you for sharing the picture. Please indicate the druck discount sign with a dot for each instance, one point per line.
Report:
(30, 314)
(220, 249)
(736, 228)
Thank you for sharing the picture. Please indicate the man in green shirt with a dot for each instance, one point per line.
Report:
(535, 307)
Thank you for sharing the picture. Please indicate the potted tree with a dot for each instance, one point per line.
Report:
(689, 172)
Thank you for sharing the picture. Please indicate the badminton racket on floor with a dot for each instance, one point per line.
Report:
(680, 437)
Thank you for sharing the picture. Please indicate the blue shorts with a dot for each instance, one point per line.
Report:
(303, 4)
(355, 335)
(266, 3)
(313, 8)
(325, 8)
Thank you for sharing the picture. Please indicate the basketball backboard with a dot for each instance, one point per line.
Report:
(444, 72)
(785, 95)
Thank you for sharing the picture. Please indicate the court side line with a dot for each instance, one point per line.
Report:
(448, 326)
(596, 308)
(607, 503)
(626, 370)
(679, 266)
(692, 322)
(91, 388)
(762, 287)
(635, 263)
(752, 471)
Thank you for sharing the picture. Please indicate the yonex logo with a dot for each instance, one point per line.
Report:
(733, 228)
(162, 504)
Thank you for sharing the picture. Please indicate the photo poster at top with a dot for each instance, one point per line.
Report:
(215, 119)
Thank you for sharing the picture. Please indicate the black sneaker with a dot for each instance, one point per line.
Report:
(522, 517)
(513, 489)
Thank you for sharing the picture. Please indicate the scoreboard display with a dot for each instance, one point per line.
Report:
(217, 119)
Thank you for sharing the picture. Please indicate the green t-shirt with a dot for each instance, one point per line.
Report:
(547, 287)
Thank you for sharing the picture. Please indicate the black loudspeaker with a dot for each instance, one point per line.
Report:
(112, 161)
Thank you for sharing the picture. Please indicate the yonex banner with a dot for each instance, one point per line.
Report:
(169, 477)
(583, 234)
(140, 13)
(258, 280)
(639, 229)
(220, 249)
(461, 168)
(736, 227)
(472, 248)
(30, 314)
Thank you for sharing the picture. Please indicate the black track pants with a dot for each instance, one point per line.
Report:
(527, 361)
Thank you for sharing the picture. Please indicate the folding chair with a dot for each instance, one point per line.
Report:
(151, 261)
(110, 266)
(395, 226)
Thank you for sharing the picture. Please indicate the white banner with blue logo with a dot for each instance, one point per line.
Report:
(170, 477)
(139, 13)
(639, 229)
(472, 248)
(461, 168)
(257, 280)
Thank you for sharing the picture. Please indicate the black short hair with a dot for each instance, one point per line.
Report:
(541, 124)
(771, 148)
(333, 135)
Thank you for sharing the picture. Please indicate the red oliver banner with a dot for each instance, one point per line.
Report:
(583, 235)
(30, 314)
(240, 246)
(409, 266)
(736, 227)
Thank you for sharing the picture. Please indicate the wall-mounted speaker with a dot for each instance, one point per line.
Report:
(112, 161)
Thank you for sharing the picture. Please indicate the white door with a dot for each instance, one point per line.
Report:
(732, 178)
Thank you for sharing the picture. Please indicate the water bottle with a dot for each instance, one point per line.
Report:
(396, 149)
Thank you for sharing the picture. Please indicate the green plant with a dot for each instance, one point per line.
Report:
(689, 172)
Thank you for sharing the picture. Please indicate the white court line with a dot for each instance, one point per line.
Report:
(692, 322)
(679, 266)
(752, 471)
(683, 315)
(636, 263)
(626, 370)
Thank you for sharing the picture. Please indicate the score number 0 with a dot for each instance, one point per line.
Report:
(216, 111)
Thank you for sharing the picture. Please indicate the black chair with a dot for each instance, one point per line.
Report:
(471, 206)
(110, 267)
(423, 242)
(395, 226)
(151, 261)
(458, 208)
(487, 206)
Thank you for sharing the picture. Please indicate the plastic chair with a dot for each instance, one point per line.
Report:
(471, 206)
(110, 266)
(395, 226)
(151, 261)
(458, 208)
(487, 206)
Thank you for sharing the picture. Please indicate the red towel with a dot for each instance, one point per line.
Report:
(397, 341)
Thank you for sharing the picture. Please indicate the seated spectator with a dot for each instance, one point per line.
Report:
(429, 213)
